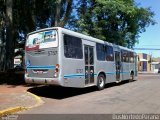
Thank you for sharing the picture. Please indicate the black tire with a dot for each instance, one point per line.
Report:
(101, 82)
(131, 77)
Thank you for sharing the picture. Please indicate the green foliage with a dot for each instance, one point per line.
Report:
(116, 21)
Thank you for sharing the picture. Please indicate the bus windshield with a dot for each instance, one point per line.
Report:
(43, 39)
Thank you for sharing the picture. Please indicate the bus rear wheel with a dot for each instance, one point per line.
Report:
(101, 82)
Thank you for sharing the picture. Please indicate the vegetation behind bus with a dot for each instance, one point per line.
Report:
(116, 21)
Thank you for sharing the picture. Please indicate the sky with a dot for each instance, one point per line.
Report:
(151, 37)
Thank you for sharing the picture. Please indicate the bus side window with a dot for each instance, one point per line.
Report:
(125, 56)
(100, 52)
(131, 57)
(109, 53)
(72, 47)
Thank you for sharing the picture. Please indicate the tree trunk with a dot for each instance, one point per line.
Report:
(67, 13)
(28, 11)
(58, 12)
(2, 43)
(9, 62)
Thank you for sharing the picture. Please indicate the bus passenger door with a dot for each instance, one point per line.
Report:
(89, 64)
(118, 65)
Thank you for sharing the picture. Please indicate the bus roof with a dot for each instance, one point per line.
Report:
(82, 36)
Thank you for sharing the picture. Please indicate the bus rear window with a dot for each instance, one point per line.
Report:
(44, 39)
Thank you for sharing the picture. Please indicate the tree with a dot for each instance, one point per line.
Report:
(9, 34)
(19, 17)
(116, 21)
(2, 36)
(6, 27)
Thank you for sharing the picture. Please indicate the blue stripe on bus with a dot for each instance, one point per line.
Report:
(125, 72)
(41, 67)
(82, 75)
(110, 73)
(95, 74)
(74, 75)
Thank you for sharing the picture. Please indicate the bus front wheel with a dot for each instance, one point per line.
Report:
(101, 82)
(132, 76)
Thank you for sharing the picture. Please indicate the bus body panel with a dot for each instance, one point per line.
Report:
(132, 67)
(125, 71)
(73, 73)
(42, 63)
(108, 68)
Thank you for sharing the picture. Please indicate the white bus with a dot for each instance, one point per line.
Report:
(57, 56)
